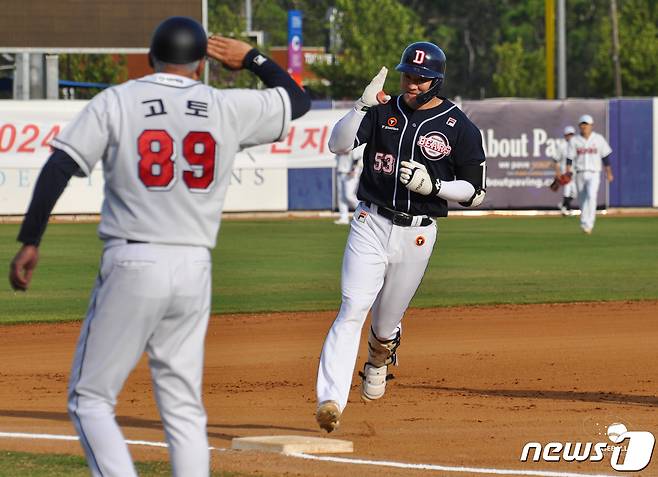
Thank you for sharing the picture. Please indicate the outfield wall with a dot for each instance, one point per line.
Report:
(519, 137)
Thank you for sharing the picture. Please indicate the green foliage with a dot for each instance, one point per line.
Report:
(226, 18)
(272, 18)
(480, 40)
(519, 73)
(92, 68)
(294, 265)
(638, 38)
(370, 40)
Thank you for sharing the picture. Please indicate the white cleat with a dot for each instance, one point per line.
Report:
(563, 210)
(328, 415)
(342, 221)
(373, 382)
(587, 231)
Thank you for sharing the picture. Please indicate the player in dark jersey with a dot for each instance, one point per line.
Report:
(421, 151)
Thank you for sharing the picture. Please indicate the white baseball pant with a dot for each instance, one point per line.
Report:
(346, 194)
(587, 183)
(383, 266)
(153, 298)
(570, 190)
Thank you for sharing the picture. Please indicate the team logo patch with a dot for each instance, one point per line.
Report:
(434, 145)
(420, 240)
(392, 121)
(451, 122)
(362, 216)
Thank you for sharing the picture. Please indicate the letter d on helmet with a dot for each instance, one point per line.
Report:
(427, 60)
(178, 40)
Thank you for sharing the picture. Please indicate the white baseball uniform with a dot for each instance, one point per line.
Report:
(167, 144)
(587, 154)
(346, 182)
(569, 190)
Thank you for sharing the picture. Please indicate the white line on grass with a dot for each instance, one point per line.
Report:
(341, 460)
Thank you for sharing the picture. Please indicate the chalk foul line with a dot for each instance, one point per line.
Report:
(340, 460)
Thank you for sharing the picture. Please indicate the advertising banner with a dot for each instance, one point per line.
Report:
(295, 54)
(520, 139)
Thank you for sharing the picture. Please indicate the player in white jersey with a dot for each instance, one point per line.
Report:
(346, 172)
(420, 152)
(167, 143)
(587, 153)
(568, 190)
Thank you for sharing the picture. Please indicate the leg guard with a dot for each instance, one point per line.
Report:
(375, 371)
(382, 353)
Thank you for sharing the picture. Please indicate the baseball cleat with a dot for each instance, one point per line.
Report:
(328, 415)
(373, 382)
(563, 209)
(342, 221)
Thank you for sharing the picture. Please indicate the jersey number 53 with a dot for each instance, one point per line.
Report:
(157, 164)
(384, 163)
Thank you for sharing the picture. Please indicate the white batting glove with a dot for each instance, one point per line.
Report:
(374, 92)
(414, 176)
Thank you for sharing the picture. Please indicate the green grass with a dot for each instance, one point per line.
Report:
(291, 265)
(24, 464)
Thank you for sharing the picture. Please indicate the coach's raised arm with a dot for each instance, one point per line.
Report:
(235, 54)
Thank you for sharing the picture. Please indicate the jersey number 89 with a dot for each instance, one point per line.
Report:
(157, 166)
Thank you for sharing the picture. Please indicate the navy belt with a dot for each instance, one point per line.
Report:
(401, 219)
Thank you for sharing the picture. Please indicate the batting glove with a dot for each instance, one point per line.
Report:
(373, 94)
(414, 176)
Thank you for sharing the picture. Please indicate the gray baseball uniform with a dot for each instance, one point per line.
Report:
(167, 144)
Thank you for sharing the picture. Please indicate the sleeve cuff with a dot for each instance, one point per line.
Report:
(70, 150)
(287, 113)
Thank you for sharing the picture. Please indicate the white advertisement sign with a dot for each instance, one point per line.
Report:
(258, 182)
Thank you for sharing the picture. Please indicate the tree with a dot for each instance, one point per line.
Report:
(110, 69)
(519, 73)
(225, 18)
(370, 40)
(638, 37)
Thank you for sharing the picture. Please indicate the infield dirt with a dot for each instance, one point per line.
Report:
(474, 384)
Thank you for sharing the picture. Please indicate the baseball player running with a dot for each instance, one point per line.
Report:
(586, 152)
(167, 143)
(421, 151)
(569, 189)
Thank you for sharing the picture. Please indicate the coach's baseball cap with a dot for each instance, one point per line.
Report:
(569, 130)
(586, 118)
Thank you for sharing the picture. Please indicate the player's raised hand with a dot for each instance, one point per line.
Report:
(22, 266)
(374, 93)
(228, 51)
(414, 176)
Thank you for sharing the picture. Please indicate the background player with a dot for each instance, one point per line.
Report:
(347, 174)
(587, 151)
(167, 143)
(569, 190)
(421, 151)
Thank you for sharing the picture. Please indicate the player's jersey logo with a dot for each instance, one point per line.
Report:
(391, 124)
(434, 145)
(451, 122)
(420, 57)
(420, 240)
